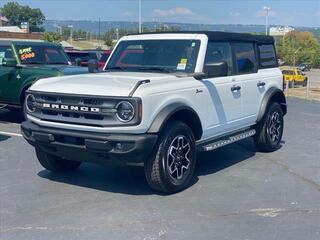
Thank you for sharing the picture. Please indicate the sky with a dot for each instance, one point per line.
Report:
(283, 12)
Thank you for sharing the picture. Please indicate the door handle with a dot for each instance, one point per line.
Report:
(261, 84)
(235, 88)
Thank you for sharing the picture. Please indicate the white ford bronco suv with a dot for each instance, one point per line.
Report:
(161, 98)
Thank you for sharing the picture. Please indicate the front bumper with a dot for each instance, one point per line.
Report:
(119, 149)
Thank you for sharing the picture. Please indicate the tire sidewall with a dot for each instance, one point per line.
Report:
(177, 129)
(274, 107)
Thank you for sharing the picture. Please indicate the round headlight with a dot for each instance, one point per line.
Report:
(30, 103)
(125, 111)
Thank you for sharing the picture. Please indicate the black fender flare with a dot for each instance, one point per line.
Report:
(270, 95)
(24, 89)
(167, 112)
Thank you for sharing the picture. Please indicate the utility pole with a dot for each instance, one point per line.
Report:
(294, 56)
(99, 33)
(140, 17)
(154, 25)
(267, 9)
(117, 32)
(71, 32)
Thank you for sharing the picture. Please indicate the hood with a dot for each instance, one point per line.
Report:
(64, 69)
(98, 84)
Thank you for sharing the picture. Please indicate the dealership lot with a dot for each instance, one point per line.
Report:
(237, 193)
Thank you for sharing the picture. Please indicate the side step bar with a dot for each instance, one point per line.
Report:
(223, 141)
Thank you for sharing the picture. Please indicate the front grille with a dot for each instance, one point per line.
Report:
(81, 110)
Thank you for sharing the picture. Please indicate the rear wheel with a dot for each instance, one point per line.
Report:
(270, 129)
(55, 163)
(172, 165)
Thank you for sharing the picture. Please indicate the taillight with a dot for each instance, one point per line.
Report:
(283, 83)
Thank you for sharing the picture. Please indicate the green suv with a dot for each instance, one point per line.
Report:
(23, 63)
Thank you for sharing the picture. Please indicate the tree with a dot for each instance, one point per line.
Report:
(17, 13)
(108, 40)
(52, 37)
(80, 34)
(66, 32)
(299, 47)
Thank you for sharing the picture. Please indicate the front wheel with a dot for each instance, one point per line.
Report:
(55, 163)
(270, 129)
(172, 165)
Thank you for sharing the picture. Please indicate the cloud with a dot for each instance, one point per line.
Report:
(262, 13)
(173, 12)
(234, 14)
(128, 13)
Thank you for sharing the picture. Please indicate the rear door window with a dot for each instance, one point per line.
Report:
(245, 57)
(267, 56)
(218, 52)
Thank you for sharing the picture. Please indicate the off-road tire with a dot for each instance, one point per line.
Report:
(263, 138)
(157, 167)
(55, 163)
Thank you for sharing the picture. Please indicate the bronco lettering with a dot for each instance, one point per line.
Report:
(71, 107)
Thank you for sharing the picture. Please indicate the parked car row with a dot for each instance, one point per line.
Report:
(161, 98)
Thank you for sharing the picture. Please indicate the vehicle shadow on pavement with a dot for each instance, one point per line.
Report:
(3, 138)
(11, 116)
(222, 158)
(131, 180)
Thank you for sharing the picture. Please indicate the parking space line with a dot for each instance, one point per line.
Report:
(11, 134)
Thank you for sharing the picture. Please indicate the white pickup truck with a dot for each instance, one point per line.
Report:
(161, 98)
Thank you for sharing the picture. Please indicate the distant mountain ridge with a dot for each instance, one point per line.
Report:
(93, 26)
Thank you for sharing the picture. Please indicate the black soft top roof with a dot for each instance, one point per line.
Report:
(226, 36)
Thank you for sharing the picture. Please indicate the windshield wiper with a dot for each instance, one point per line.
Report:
(158, 69)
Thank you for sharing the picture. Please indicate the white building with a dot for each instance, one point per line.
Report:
(11, 29)
(280, 30)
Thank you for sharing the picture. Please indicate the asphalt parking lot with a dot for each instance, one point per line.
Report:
(237, 193)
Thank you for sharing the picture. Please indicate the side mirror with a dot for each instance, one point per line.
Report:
(78, 61)
(93, 66)
(218, 69)
(9, 62)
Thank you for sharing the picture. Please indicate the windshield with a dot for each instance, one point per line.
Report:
(155, 55)
(41, 54)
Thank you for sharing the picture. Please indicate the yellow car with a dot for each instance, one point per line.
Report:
(294, 77)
